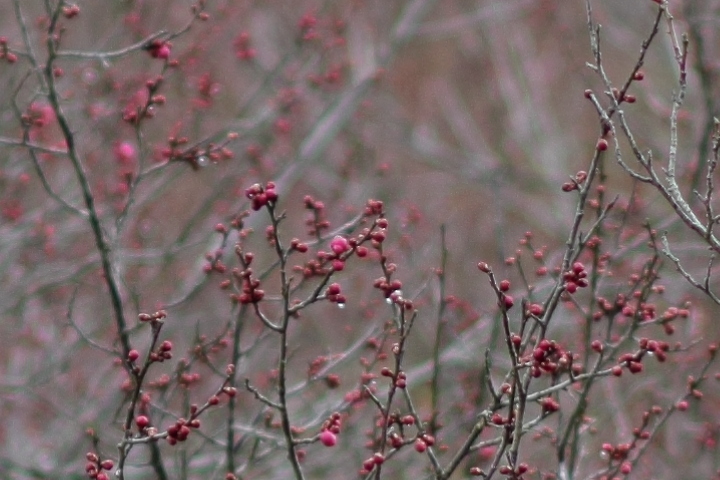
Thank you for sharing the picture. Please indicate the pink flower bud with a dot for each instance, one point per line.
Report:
(339, 245)
(328, 438)
(124, 153)
(142, 421)
(163, 52)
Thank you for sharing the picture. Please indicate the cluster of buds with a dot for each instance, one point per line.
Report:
(575, 278)
(334, 260)
(307, 26)
(313, 268)
(317, 365)
(633, 361)
(298, 246)
(423, 441)
(187, 379)
(261, 196)
(657, 348)
(399, 379)
(94, 468)
(163, 352)
(373, 208)
(393, 292)
(334, 295)
(549, 405)
(517, 472)
(197, 156)
(325, 262)
(616, 452)
(316, 221)
(670, 315)
(376, 237)
(251, 292)
(340, 245)
(243, 48)
(370, 463)
(227, 390)
(549, 357)
(506, 301)
(644, 311)
(330, 430)
(133, 114)
(648, 311)
(618, 455)
(158, 316)
(214, 259)
(396, 436)
(387, 286)
(623, 97)
(37, 115)
(608, 307)
(180, 430)
(5, 53)
(401, 421)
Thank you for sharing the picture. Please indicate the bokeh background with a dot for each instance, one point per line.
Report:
(467, 115)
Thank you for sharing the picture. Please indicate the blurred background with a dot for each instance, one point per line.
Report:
(465, 115)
